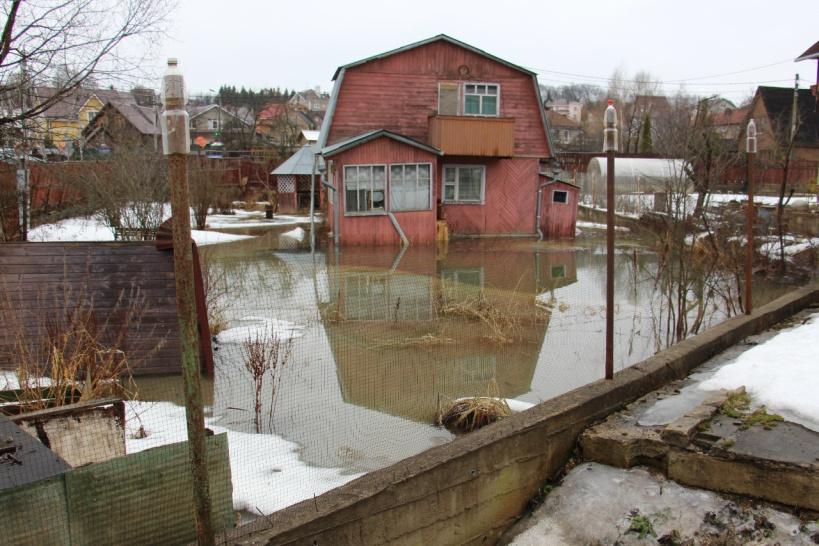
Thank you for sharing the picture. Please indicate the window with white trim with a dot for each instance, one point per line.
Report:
(481, 99)
(464, 183)
(213, 124)
(410, 187)
(560, 196)
(364, 188)
(91, 114)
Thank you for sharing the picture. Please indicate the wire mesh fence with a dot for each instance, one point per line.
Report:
(332, 363)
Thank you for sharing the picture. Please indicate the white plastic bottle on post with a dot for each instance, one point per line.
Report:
(174, 123)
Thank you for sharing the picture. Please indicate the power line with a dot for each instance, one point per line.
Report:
(666, 82)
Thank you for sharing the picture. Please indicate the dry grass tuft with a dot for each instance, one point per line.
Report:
(471, 414)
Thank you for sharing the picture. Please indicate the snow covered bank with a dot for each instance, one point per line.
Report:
(782, 374)
(94, 229)
(266, 470)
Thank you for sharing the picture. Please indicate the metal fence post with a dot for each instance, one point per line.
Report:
(610, 146)
(750, 148)
(176, 144)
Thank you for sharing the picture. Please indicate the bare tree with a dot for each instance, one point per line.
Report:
(68, 42)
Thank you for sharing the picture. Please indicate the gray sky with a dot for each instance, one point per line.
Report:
(261, 43)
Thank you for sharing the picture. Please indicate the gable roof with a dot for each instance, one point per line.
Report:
(357, 140)
(556, 119)
(438, 38)
(778, 102)
(300, 163)
(68, 106)
(196, 111)
(810, 53)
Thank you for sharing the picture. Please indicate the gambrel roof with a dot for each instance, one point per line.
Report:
(440, 37)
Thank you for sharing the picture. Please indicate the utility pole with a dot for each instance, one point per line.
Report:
(750, 150)
(794, 108)
(610, 147)
(176, 145)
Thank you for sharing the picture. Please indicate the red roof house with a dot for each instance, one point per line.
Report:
(434, 130)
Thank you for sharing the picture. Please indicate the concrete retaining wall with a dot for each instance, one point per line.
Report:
(470, 490)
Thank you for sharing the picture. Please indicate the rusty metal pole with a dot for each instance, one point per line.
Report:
(176, 144)
(610, 146)
(750, 148)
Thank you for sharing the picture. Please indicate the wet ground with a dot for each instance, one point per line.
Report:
(380, 339)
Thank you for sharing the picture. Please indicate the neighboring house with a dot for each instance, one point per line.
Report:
(572, 109)
(282, 123)
(310, 100)
(772, 109)
(435, 129)
(124, 124)
(730, 122)
(308, 137)
(209, 122)
(565, 131)
(64, 121)
(293, 180)
(812, 53)
(719, 105)
(655, 108)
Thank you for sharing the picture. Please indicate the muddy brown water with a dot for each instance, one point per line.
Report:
(386, 337)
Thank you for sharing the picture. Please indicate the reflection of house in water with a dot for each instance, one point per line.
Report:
(395, 348)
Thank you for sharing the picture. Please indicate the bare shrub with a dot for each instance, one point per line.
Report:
(263, 353)
(67, 350)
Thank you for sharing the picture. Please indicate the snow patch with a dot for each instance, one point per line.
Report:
(782, 374)
(260, 327)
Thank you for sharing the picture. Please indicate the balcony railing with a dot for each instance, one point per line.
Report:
(473, 135)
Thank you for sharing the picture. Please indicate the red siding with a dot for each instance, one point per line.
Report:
(558, 219)
(509, 205)
(419, 227)
(400, 92)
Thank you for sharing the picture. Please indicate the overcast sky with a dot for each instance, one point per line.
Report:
(716, 46)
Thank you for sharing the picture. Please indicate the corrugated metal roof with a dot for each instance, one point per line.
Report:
(372, 135)
(440, 37)
(300, 163)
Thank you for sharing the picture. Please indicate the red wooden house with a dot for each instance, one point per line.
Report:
(434, 130)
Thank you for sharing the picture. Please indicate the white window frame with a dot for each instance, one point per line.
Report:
(213, 124)
(90, 113)
(386, 190)
(497, 96)
(431, 186)
(456, 200)
(566, 192)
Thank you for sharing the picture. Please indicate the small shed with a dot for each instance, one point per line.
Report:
(558, 207)
(293, 179)
(634, 176)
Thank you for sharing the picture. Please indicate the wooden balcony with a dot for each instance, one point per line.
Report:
(472, 135)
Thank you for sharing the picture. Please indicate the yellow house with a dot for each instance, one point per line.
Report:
(63, 122)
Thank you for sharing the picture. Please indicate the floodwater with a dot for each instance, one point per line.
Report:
(384, 338)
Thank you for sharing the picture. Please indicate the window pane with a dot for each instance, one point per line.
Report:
(379, 177)
(560, 196)
(492, 89)
(378, 199)
(422, 195)
(351, 200)
(490, 105)
(409, 172)
(350, 178)
(449, 192)
(449, 174)
(469, 184)
(423, 172)
(472, 104)
(396, 174)
(470, 88)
